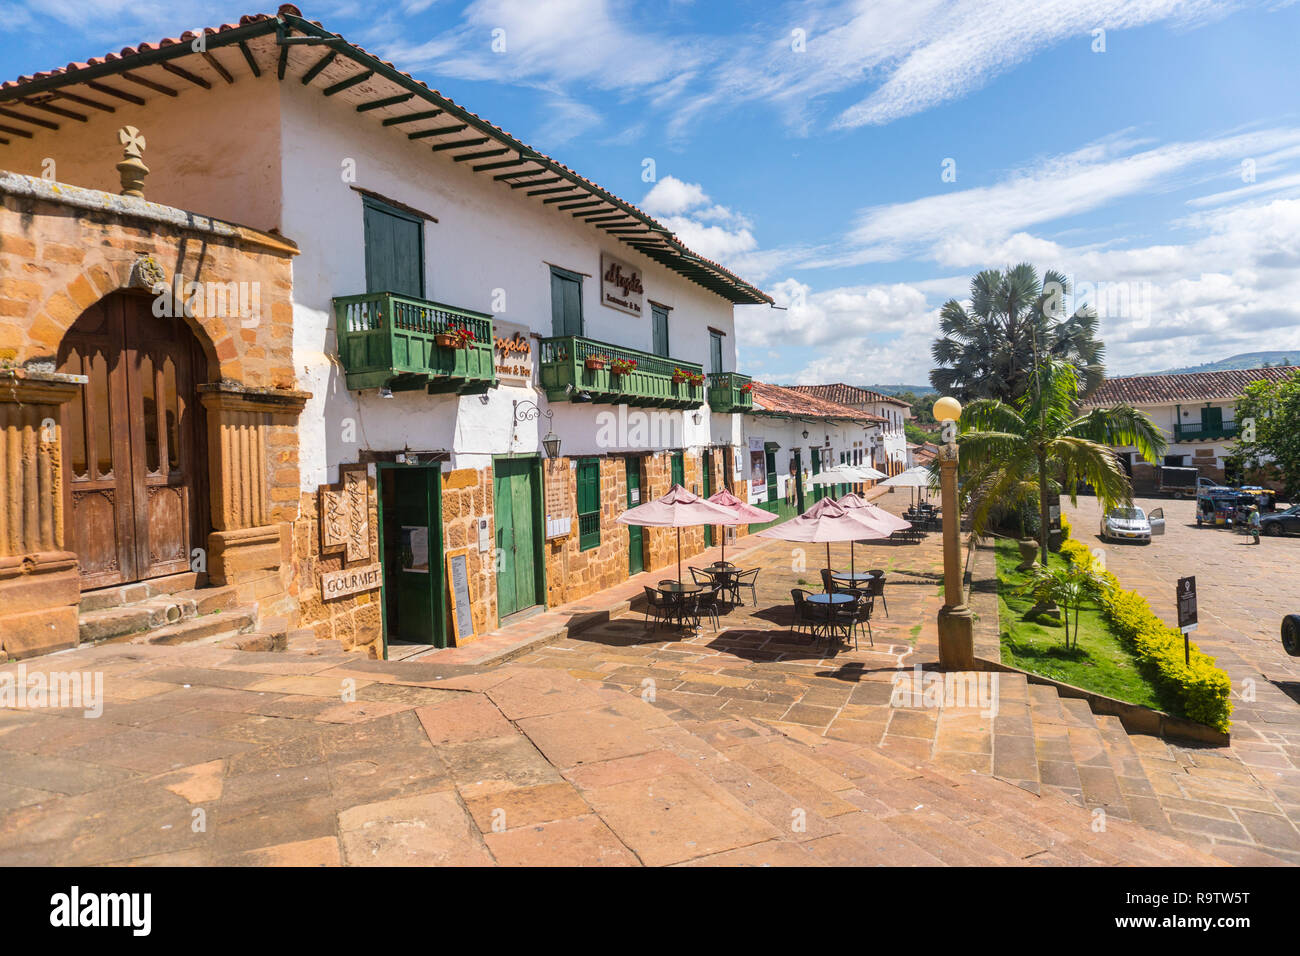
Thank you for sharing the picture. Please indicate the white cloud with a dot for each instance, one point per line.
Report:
(712, 230)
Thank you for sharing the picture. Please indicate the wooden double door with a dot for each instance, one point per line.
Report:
(136, 480)
(519, 535)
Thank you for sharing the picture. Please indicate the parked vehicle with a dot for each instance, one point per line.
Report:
(1179, 482)
(1132, 524)
(1291, 634)
(1216, 508)
(1283, 522)
(1263, 498)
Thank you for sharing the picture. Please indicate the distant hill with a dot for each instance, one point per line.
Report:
(1244, 360)
(914, 389)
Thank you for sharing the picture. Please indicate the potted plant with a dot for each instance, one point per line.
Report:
(454, 337)
(747, 387)
(595, 362)
(622, 366)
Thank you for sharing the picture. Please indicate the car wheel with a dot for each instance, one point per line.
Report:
(1291, 634)
(1273, 529)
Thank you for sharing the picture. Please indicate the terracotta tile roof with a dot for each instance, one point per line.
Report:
(123, 61)
(1187, 387)
(788, 401)
(848, 394)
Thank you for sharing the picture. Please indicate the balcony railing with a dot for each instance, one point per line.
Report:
(568, 370)
(730, 392)
(392, 340)
(1199, 431)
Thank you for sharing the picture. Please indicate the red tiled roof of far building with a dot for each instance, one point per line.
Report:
(843, 394)
(787, 401)
(681, 259)
(1185, 387)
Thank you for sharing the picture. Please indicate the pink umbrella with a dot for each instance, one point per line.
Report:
(885, 522)
(677, 509)
(828, 521)
(745, 513)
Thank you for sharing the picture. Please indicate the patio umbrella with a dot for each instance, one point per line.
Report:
(677, 509)
(844, 475)
(918, 476)
(745, 513)
(886, 523)
(826, 521)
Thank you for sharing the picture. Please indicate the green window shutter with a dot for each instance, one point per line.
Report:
(588, 503)
(394, 250)
(659, 320)
(679, 469)
(566, 302)
(715, 352)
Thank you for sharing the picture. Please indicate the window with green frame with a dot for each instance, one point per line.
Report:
(588, 503)
(566, 302)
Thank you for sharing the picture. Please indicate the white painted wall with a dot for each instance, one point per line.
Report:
(487, 238)
(831, 439)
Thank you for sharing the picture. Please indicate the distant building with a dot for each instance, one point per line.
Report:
(891, 450)
(1195, 412)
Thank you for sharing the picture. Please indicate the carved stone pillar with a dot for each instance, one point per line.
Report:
(248, 547)
(39, 584)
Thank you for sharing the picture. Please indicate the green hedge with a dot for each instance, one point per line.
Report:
(1202, 688)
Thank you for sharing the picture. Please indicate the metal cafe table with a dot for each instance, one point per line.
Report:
(724, 575)
(852, 578)
(677, 592)
(830, 601)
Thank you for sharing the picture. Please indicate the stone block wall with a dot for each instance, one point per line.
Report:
(467, 497)
(572, 573)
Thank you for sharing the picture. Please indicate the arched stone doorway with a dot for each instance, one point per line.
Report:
(134, 442)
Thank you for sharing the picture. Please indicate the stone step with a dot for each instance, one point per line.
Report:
(116, 622)
(219, 624)
(120, 595)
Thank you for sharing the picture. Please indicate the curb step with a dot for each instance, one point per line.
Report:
(118, 622)
(218, 624)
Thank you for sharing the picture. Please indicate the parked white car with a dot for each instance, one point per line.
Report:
(1132, 524)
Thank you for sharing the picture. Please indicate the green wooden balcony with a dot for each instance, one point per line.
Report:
(1204, 431)
(566, 373)
(730, 392)
(391, 340)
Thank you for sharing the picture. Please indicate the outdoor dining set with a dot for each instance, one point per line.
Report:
(848, 598)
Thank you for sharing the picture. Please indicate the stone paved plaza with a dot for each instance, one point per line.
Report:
(621, 744)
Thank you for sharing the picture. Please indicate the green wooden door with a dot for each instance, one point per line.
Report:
(773, 504)
(659, 320)
(394, 250)
(816, 470)
(678, 469)
(715, 352)
(412, 557)
(635, 536)
(707, 486)
(516, 541)
(1211, 420)
(798, 481)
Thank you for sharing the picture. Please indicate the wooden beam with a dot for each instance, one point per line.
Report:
(84, 101)
(148, 84)
(502, 165)
(250, 59)
(544, 181)
(459, 143)
(437, 131)
(524, 172)
(185, 74)
(323, 62)
(222, 72)
(34, 120)
(588, 217)
(120, 94)
(386, 101)
(57, 110)
(411, 118)
(24, 133)
(482, 154)
(283, 63)
(577, 205)
(350, 82)
(554, 189)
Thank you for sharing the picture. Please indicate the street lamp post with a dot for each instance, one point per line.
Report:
(956, 624)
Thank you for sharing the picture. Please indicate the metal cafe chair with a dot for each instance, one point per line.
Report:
(802, 616)
(876, 587)
(748, 579)
(656, 606)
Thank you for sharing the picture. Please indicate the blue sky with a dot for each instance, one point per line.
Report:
(805, 145)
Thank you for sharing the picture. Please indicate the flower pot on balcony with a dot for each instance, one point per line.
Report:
(594, 364)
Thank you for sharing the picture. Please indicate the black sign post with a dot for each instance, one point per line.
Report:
(1186, 598)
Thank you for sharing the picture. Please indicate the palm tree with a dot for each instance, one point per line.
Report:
(1014, 452)
(1014, 323)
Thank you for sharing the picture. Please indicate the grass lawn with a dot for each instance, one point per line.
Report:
(1099, 663)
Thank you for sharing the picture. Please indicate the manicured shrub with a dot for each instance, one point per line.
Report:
(1202, 688)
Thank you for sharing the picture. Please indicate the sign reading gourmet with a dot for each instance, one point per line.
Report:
(513, 353)
(337, 584)
(620, 285)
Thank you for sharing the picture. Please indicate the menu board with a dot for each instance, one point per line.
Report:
(462, 612)
(559, 515)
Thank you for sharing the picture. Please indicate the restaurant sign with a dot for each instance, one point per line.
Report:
(512, 353)
(620, 285)
(337, 584)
